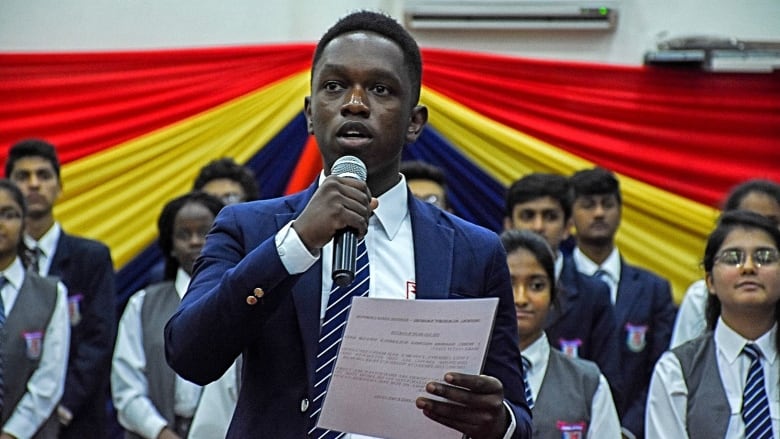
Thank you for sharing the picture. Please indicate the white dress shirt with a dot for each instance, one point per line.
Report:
(668, 396)
(47, 246)
(691, 319)
(129, 386)
(390, 245)
(215, 409)
(47, 383)
(610, 266)
(604, 422)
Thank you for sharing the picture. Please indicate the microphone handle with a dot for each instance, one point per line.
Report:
(344, 257)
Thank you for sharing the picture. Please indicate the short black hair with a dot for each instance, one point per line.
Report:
(595, 181)
(227, 168)
(32, 148)
(538, 185)
(514, 240)
(420, 170)
(388, 27)
(166, 220)
(742, 190)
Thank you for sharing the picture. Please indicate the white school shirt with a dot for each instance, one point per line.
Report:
(47, 245)
(129, 387)
(611, 266)
(47, 383)
(390, 245)
(604, 422)
(691, 320)
(668, 395)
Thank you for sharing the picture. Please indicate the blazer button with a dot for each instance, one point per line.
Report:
(259, 293)
(251, 300)
(304, 405)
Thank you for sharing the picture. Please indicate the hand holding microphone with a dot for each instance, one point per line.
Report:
(339, 210)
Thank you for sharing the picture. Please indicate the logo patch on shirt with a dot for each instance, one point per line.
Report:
(571, 348)
(571, 430)
(636, 338)
(74, 308)
(411, 290)
(34, 340)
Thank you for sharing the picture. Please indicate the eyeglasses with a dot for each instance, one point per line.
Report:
(737, 257)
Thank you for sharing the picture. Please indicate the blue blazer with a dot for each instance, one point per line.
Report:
(85, 267)
(645, 313)
(278, 336)
(584, 314)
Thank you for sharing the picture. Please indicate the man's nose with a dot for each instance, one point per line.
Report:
(355, 102)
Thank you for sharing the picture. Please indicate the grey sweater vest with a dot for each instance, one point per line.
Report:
(159, 305)
(708, 407)
(31, 313)
(566, 396)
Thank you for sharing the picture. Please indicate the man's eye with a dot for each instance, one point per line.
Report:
(381, 90)
(332, 86)
(538, 285)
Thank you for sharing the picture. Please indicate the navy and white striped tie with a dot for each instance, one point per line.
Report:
(339, 302)
(755, 404)
(529, 396)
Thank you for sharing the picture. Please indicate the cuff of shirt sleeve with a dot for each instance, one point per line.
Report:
(293, 253)
(627, 433)
(512, 424)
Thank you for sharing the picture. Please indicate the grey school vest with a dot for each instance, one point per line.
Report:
(159, 305)
(566, 396)
(708, 407)
(22, 343)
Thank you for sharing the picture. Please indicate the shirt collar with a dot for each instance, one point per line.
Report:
(538, 353)
(585, 265)
(730, 343)
(48, 242)
(14, 274)
(182, 282)
(393, 207)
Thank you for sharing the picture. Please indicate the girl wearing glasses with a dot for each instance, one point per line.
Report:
(725, 383)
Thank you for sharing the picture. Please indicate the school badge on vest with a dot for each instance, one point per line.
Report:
(636, 337)
(571, 348)
(571, 430)
(74, 308)
(34, 340)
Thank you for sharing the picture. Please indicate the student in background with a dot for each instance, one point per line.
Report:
(34, 334)
(643, 300)
(85, 267)
(760, 196)
(583, 323)
(724, 384)
(228, 181)
(426, 182)
(569, 396)
(151, 401)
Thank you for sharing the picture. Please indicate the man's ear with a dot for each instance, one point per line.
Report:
(417, 121)
(307, 113)
(567, 228)
(507, 223)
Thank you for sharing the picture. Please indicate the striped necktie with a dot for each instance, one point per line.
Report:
(2, 335)
(755, 404)
(529, 396)
(339, 302)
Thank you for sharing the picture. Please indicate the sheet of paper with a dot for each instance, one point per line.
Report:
(390, 350)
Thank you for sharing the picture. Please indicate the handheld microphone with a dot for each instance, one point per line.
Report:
(345, 241)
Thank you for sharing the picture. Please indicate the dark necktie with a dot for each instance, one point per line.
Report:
(339, 302)
(529, 396)
(32, 258)
(755, 404)
(2, 334)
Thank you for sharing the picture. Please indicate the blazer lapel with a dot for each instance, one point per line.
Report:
(629, 293)
(61, 257)
(433, 251)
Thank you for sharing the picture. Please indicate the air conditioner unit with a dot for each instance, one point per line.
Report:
(510, 14)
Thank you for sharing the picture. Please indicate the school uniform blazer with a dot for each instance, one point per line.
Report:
(279, 334)
(584, 312)
(645, 314)
(85, 267)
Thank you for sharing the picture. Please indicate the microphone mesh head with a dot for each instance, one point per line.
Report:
(349, 166)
